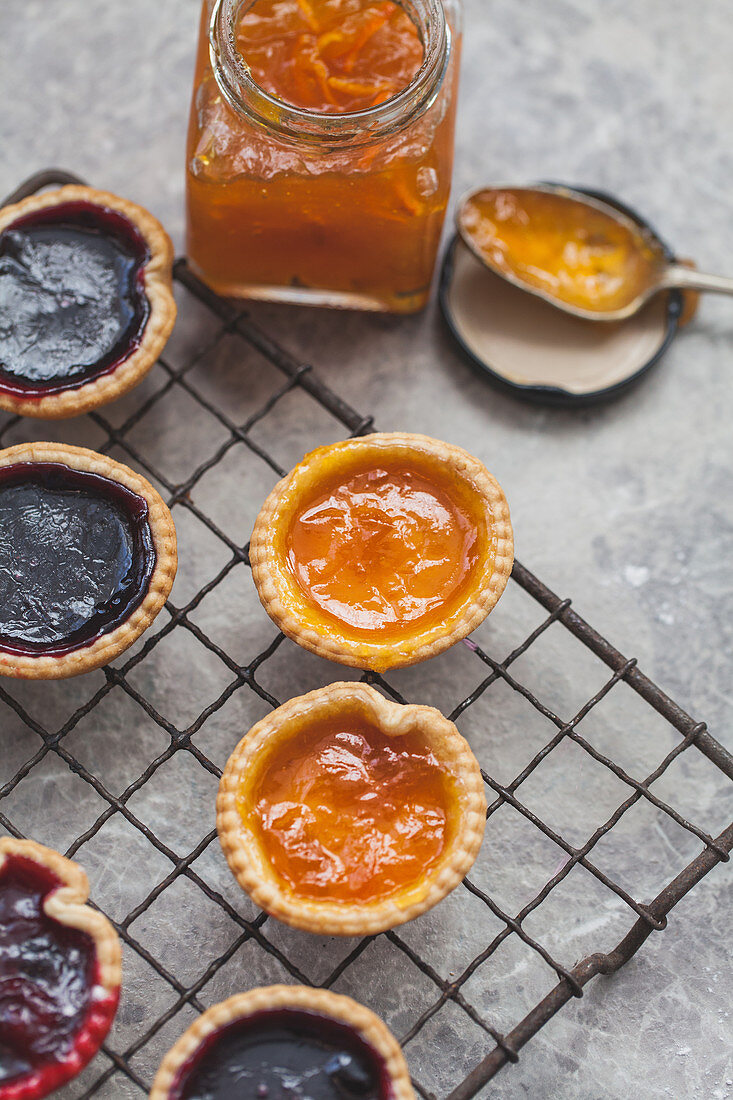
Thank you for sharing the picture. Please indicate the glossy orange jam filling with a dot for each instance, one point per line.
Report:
(345, 813)
(559, 245)
(384, 549)
(330, 56)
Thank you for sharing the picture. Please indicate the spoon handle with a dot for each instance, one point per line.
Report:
(685, 278)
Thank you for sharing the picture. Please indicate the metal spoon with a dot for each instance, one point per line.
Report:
(659, 273)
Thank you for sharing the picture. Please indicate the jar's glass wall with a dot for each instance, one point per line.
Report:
(355, 225)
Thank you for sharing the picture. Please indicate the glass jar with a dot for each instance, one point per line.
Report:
(325, 209)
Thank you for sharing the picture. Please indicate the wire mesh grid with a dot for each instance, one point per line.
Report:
(119, 769)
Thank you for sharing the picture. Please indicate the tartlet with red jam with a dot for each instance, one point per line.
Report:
(60, 971)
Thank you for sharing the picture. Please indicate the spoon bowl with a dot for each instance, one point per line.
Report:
(580, 254)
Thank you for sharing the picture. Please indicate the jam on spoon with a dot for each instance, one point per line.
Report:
(59, 971)
(578, 253)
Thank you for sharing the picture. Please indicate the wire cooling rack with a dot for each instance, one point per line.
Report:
(585, 853)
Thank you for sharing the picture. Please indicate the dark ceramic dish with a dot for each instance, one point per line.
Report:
(639, 354)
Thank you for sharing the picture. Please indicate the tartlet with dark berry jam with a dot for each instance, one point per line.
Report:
(87, 559)
(86, 304)
(60, 971)
(284, 1040)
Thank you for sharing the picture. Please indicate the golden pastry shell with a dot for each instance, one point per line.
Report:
(286, 605)
(102, 389)
(338, 1008)
(249, 863)
(105, 648)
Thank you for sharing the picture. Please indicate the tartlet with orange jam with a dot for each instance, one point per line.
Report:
(343, 813)
(382, 551)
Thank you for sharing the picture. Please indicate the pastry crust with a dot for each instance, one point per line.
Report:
(67, 905)
(287, 606)
(104, 388)
(105, 648)
(341, 1009)
(252, 868)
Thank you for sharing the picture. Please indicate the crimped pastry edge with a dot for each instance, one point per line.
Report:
(108, 646)
(240, 1006)
(158, 288)
(67, 905)
(276, 594)
(249, 863)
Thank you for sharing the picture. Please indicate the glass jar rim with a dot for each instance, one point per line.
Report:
(251, 101)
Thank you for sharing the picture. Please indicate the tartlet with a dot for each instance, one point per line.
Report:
(60, 971)
(87, 559)
(343, 813)
(382, 551)
(86, 304)
(331, 1044)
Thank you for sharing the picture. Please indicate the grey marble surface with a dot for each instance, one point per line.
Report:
(627, 508)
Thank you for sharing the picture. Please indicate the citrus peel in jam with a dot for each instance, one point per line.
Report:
(345, 813)
(330, 57)
(560, 246)
(379, 552)
(384, 548)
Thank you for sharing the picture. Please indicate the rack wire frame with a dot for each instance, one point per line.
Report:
(645, 918)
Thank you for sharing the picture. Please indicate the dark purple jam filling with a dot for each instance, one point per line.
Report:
(285, 1054)
(72, 297)
(46, 974)
(76, 557)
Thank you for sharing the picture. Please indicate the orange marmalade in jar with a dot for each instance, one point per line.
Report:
(320, 149)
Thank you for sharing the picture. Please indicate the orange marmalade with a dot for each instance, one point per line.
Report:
(384, 549)
(320, 149)
(330, 56)
(560, 246)
(345, 813)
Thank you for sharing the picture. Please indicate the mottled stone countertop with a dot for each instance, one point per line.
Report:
(628, 508)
